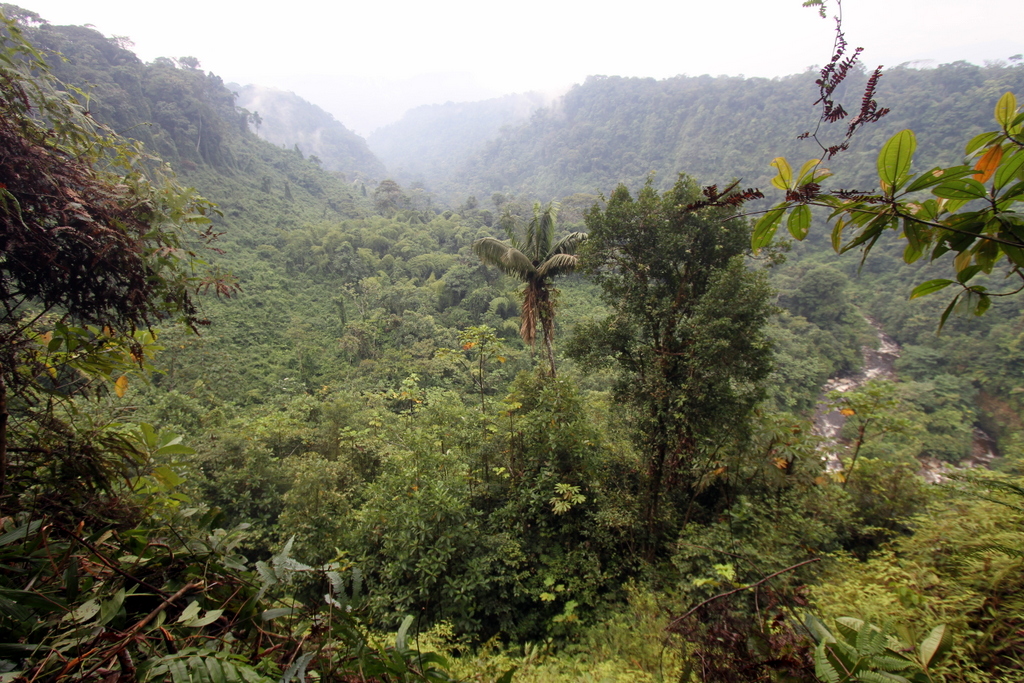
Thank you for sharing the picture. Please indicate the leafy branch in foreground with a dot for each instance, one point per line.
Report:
(973, 211)
(865, 652)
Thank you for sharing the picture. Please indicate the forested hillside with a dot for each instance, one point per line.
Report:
(611, 129)
(328, 427)
(287, 120)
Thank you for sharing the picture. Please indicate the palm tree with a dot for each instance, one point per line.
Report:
(535, 260)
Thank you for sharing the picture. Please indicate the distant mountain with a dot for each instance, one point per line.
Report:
(612, 130)
(288, 120)
(429, 141)
(367, 102)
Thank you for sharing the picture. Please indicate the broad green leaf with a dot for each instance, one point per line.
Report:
(84, 612)
(764, 229)
(915, 246)
(110, 608)
(934, 177)
(930, 287)
(784, 179)
(200, 674)
(819, 631)
(984, 303)
(837, 235)
(936, 644)
(945, 313)
(205, 620)
(179, 673)
(21, 533)
(166, 476)
(1015, 254)
(174, 449)
(799, 221)
(215, 669)
(962, 260)
(967, 273)
(269, 614)
(805, 175)
(895, 157)
(1009, 169)
(403, 631)
(849, 627)
(979, 141)
(1006, 109)
(961, 188)
(190, 612)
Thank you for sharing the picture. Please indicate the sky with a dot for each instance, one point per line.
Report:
(367, 63)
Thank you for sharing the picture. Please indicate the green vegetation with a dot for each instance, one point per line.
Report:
(360, 471)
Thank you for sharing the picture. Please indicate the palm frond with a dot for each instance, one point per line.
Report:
(569, 244)
(542, 229)
(504, 257)
(557, 264)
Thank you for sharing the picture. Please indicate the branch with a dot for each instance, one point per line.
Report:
(726, 594)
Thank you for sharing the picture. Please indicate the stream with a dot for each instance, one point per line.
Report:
(880, 364)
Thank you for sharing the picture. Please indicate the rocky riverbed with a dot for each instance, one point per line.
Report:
(879, 363)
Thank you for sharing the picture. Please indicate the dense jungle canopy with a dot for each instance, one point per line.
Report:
(269, 410)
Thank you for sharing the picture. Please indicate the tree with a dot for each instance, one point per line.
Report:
(535, 259)
(687, 332)
(96, 246)
(388, 198)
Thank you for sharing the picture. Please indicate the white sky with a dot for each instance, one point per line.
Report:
(349, 57)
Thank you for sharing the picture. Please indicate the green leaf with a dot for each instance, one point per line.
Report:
(837, 235)
(984, 303)
(190, 612)
(895, 157)
(21, 533)
(935, 645)
(784, 179)
(967, 273)
(200, 674)
(401, 640)
(507, 676)
(1006, 109)
(880, 677)
(1009, 169)
(110, 608)
(806, 175)
(823, 668)
(930, 287)
(799, 221)
(937, 175)
(269, 614)
(174, 449)
(179, 673)
(84, 612)
(979, 141)
(764, 229)
(205, 620)
(961, 188)
(945, 313)
(215, 669)
(168, 477)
